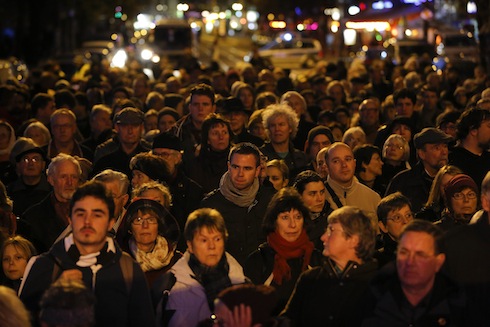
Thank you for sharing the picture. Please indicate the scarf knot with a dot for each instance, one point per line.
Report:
(285, 250)
(242, 198)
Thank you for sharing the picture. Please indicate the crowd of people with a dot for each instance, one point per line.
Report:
(346, 196)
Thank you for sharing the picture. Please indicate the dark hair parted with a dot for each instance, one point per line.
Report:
(97, 190)
(424, 226)
(394, 201)
(246, 148)
(304, 178)
(363, 154)
(471, 119)
(212, 120)
(356, 222)
(286, 199)
(405, 93)
(204, 217)
(203, 89)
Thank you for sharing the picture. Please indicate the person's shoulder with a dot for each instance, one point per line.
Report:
(214, 195)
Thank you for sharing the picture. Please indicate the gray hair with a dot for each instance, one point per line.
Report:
(109, 175)
(282, 109)
(58, 160)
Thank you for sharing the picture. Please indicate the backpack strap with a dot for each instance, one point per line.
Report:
(334, 196)
(164, 285)
(126, 262)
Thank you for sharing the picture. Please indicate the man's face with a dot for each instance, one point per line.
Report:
(279, 130)
(341, 164)
(321, 165)
(65, 181)
(416, 260)
(337, 245)
(166, 122)
(171, 157)
(238, 120)
(200, 107)
(31, 165)
(314, 196)
(404, 107)
(483, 135)
(369, 114)
(430, 99)
(396, 221)
(208, 246)
(90, 222)
(129, 134)
(119, 198)
(63, 128)
(319, 142)
(100, 122)
(243, 170)
(434, 156)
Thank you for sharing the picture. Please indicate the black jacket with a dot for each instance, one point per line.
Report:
(244, 225)
(324, 298)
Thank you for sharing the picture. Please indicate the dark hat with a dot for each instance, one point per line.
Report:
(458, 183)
(167, 141)
(152, 166)
(320, 130)
(23, 146)
(399, 120)
(167, 225)
(447, 117)
(430, 135)
(232, 104)
(129, 116)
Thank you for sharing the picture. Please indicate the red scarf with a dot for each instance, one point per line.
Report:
(285, 250)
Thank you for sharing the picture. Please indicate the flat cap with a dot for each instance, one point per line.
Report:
(430, 135)
(167, 141)
(129, 116)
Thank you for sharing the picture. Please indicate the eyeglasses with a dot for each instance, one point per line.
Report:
(33, 160)
(394, 146)
(460, 196)
(165, 154)
(149, 220)
(399, 218)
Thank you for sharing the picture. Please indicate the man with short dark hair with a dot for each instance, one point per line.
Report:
(471, 154)
(432, 149)
(117, 152)
(241, 200)
(90, 256)
(415, 293)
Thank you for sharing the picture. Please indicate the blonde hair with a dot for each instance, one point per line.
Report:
(12, 310)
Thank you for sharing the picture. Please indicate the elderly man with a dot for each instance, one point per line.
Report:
(281, 124)
(415, 293)
(63, 128)
(117, 152)
(241, 200)
(90, 256)
(186, 193)
(432, 150)
(32, 185)
(343, 188)
(48, 218)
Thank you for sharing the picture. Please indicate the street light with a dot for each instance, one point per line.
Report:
(237, 6)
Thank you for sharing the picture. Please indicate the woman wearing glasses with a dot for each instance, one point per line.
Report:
(150, 236)
(461, 194)
(330, 295)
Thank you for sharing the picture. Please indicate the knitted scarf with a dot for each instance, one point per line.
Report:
(213, 279)
(156, 259)
(242, 198)
(285, 250)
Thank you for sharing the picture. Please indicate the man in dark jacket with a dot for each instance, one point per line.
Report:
(415, 183)
(89, 255)
(415, 293)
(186, 193)
(241, 201)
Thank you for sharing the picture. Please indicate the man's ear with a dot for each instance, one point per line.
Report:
(189, 246)
(50, 180)
(440, 258)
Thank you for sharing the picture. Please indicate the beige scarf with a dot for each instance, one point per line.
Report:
(242, 198)
(158, 258)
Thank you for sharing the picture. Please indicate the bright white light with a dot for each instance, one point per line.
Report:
(146, 54)
(252, 26)
(350, 37)
(119, 59)
(408, 32)
(335, 14)
(234, 25)
(252, 16)
(471, 7)
(287, 37)
(334, 28)
(300, 27)
(353, 10)
(388, 4)
(384, 54)
(155, 59)
(238, 14)
(237, 6)
(182, 7)
(205, 13)
(222, 15)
